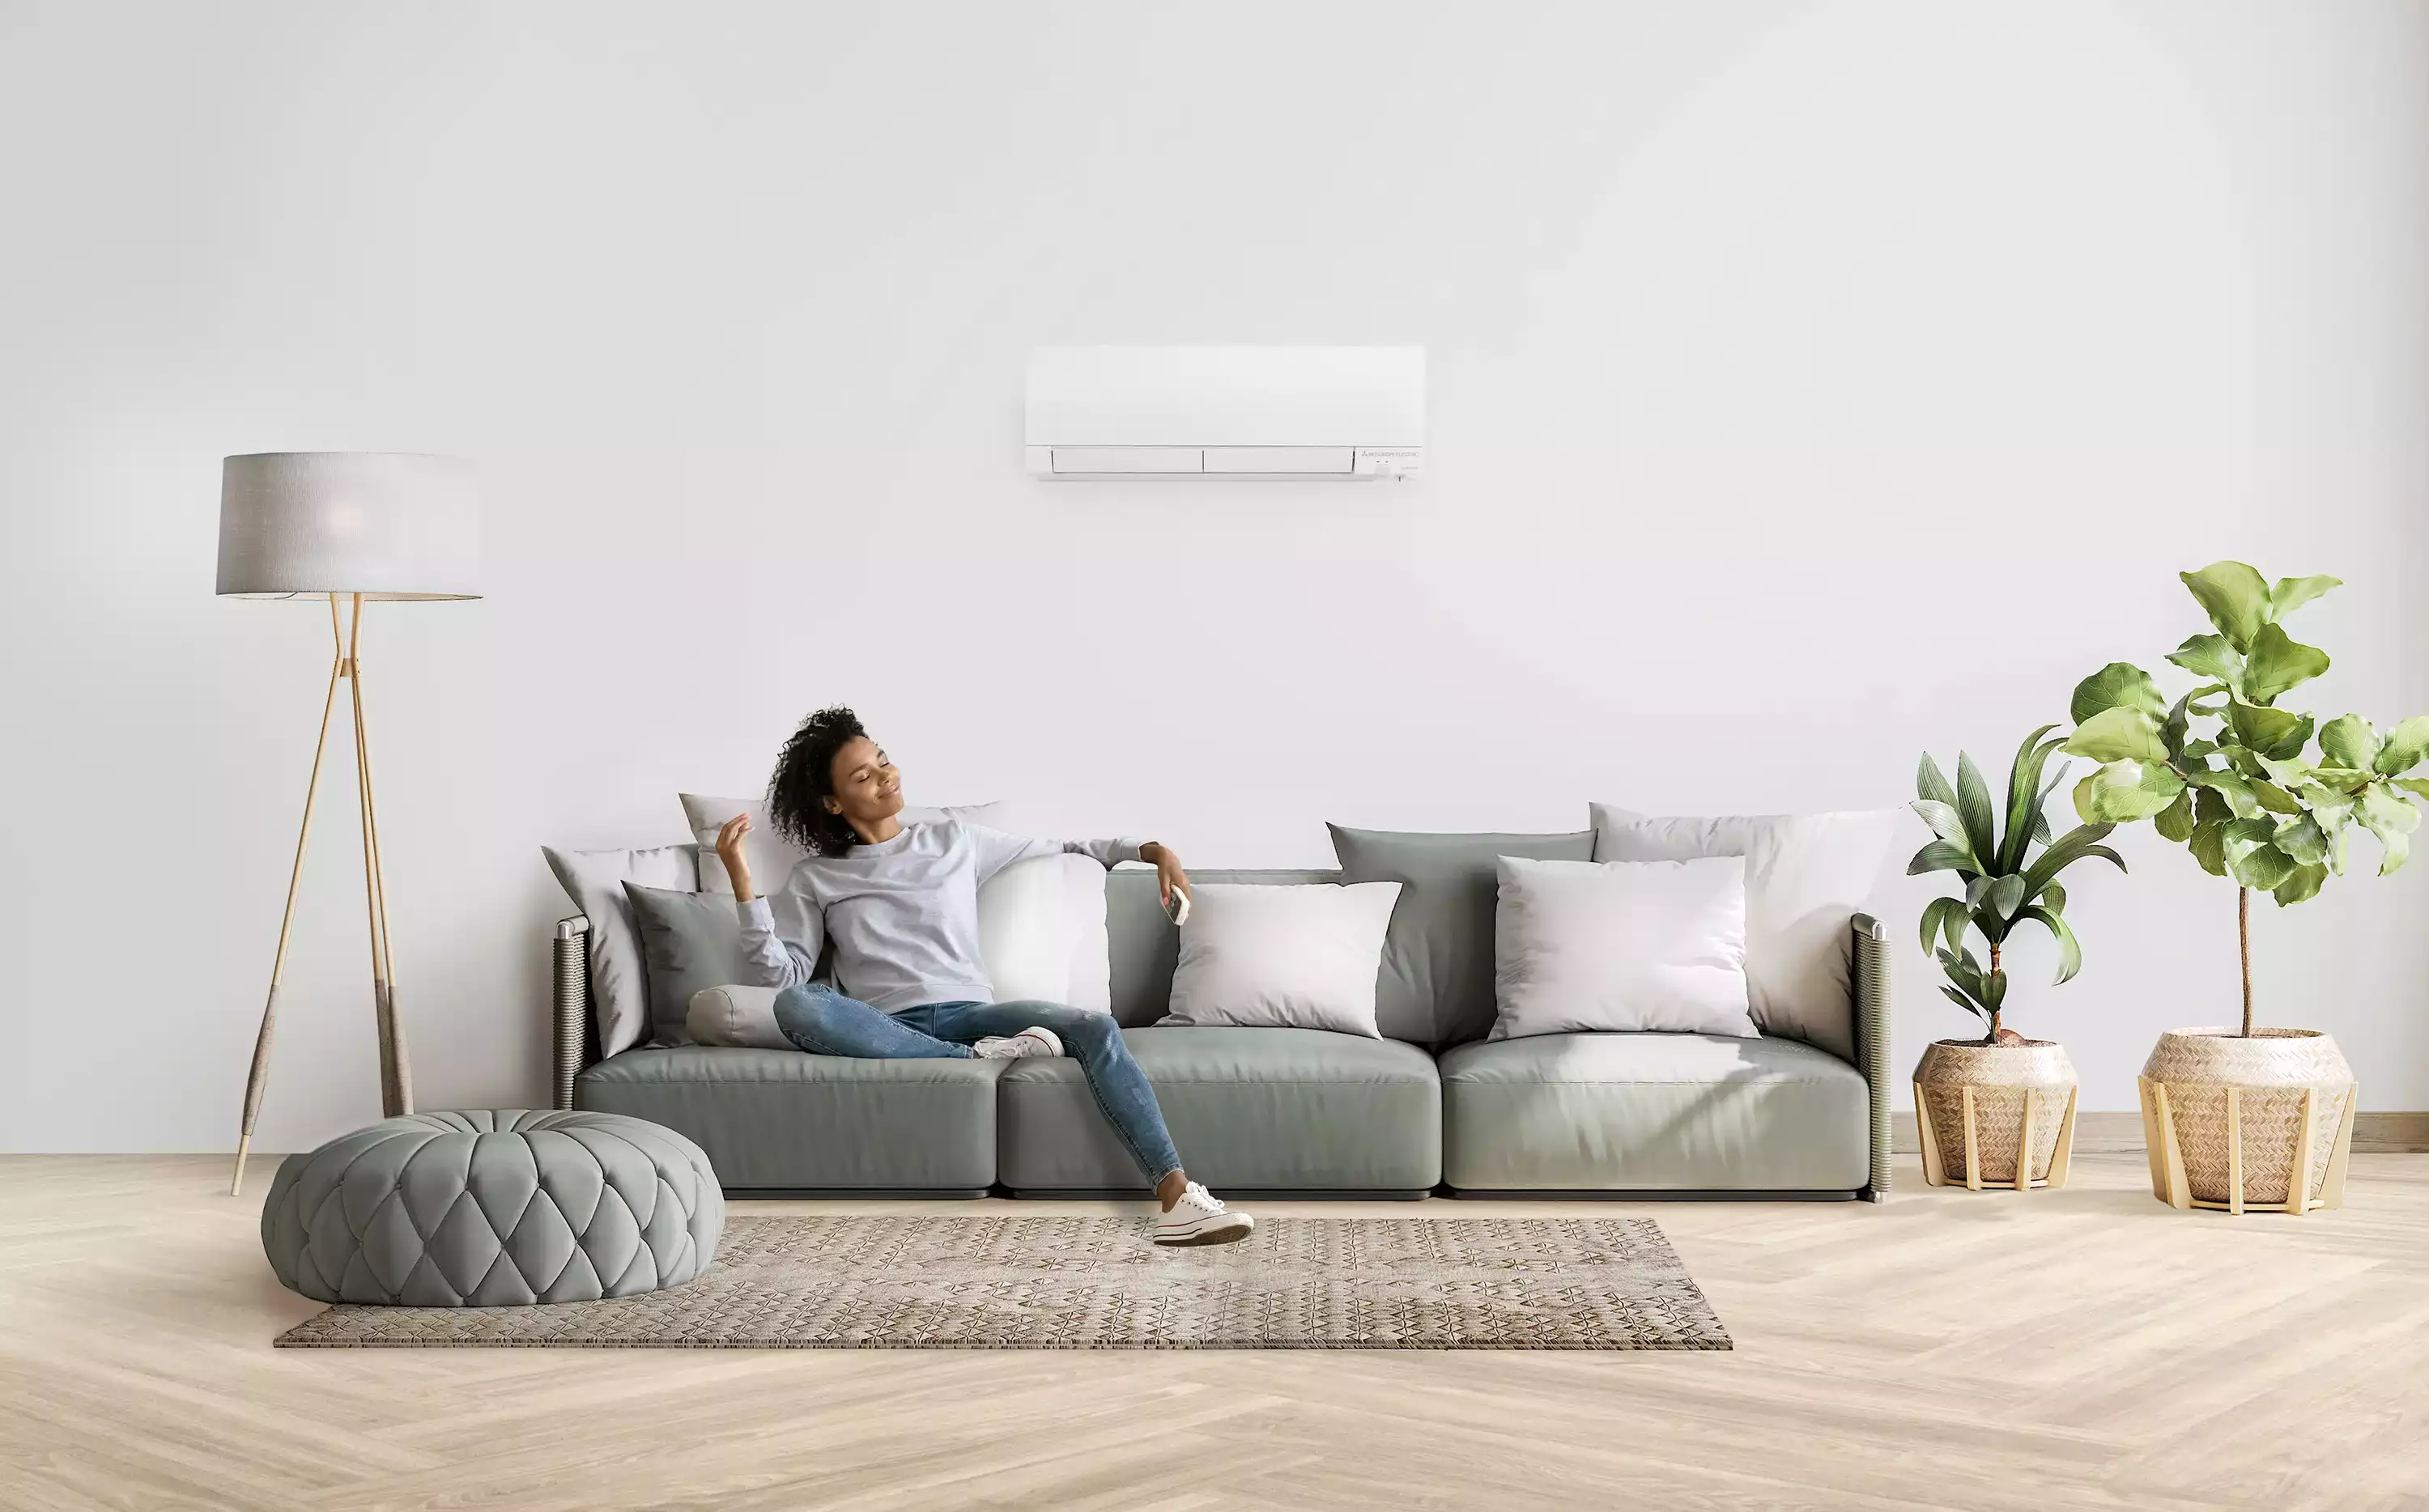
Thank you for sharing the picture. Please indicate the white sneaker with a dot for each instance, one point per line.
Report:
(1200, 1218)
(1029, 1042)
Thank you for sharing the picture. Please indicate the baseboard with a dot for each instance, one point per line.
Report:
(2122, 1133)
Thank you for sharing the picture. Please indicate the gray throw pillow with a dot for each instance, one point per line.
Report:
(1436, 986)
(620, 981)
(690, 941)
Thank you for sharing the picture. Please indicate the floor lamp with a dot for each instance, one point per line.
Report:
(345, 527)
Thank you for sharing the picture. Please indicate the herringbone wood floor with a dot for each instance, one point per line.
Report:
(2079, 1348)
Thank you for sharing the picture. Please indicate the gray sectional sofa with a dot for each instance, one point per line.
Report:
(1300, 1113)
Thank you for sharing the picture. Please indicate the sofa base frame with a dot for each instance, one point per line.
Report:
(1650, 1194)
(851, 1194)
(1259, 1193)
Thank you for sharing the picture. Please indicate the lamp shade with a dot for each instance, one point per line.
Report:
(383, 524)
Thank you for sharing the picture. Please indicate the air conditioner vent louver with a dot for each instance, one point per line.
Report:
(1243, 413)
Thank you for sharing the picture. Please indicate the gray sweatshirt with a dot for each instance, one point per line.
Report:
(903, 914)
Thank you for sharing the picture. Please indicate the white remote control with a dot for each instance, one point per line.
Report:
(1178, 910)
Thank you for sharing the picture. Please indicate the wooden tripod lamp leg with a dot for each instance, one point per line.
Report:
(260, 1075)
(396, 1071)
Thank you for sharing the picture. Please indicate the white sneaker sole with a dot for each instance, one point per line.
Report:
(1223, 1228)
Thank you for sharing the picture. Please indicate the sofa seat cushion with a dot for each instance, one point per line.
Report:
(784, 1121)
(1250, 1110)
(1682, 1112)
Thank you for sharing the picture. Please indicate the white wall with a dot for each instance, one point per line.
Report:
(1812, 384)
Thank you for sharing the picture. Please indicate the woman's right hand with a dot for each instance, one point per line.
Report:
(729, 851)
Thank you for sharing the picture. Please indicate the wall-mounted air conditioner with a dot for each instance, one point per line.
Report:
(1227, 411)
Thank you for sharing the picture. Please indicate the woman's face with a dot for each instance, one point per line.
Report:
(866, 786)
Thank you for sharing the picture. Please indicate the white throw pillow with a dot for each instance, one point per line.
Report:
(1282, 956)
(772, 856)
(1618, 947)
(744, 1017)
(1042, 933)
(620, 974)
(1804, 875)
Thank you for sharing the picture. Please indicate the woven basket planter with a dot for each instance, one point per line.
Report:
(1994, 1115)
(2230, 1121)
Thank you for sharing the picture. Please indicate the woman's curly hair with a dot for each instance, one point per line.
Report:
(804, 780)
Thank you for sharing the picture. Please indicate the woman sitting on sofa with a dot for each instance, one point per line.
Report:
(900, 903)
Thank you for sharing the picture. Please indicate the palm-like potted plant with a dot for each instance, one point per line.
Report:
(1998, 1110)
(2248, 1116)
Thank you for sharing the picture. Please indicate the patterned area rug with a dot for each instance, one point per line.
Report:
(1097, 1283)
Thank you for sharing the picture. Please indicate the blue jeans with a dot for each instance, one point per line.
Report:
(824, 1022)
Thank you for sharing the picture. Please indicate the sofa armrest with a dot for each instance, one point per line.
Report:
(573, 966)
(1870, 983)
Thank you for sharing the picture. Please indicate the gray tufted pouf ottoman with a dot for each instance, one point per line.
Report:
(480, 1209)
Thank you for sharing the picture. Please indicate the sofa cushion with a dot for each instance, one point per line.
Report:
(620, 978)
(1806, 872)
(689, 941)
(1688, 1113)
(1249, 1109)
(780, 1119)
(1437, 979)
(1281, 958)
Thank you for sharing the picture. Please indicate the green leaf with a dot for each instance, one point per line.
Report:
(2209, 807)
(2412, 785)
(2053, 898)
(2301, 885)
(2286, 774)
(2249, 832)
(2261, 867)
(2391, 820)
(2125, 791)
(2231, 786)
(2083, 801)
(2277, 662)
(2173, 728)
(1943, 916)
(2406, 743)
(2118, 735)
(1940, 856)
(1996, 988)
(2235, 597)
(2118, 685)
(2265, 730)
(2175, 821)
(2291, 748)
(2349, 741)
(2293, 593)
(1930, 784)
(2006, 894)
(2274, 799)
(1974, 807)
(1943, 821)
(2303, 838)
(2209, 656)
(2070, 950)
(2069, 848)
(2208, 846)
(1967, 1004)
(2024, 787)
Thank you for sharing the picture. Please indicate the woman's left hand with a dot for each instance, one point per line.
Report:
(1170, 877)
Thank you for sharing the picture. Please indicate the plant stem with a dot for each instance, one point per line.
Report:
(1993, 1038)
(2244, 938)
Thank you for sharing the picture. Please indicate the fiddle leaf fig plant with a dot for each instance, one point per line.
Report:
(2005, 882)
(2227, 773)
